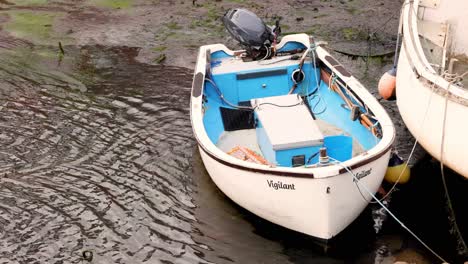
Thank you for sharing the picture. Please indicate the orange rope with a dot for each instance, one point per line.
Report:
(247, 154)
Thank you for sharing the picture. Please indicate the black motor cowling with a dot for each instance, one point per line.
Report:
(250, 31)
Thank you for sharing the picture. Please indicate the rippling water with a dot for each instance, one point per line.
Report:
(94, 155)
(97, 154)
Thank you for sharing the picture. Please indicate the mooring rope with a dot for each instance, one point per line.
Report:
(416, 140)
(451, 78)
(355, 179)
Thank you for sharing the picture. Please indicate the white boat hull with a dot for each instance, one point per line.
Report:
(423, 112)
(319, 201)
(321, 207)
(433, 109)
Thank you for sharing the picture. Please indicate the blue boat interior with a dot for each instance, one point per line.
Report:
(229, 115)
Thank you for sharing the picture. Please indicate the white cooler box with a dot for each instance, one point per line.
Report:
(286, 130)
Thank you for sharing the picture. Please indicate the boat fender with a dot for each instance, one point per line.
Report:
(387, 85)
(397, 167)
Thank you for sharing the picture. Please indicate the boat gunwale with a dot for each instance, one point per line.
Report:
(287, 173)
(418, 61)
(380, 149)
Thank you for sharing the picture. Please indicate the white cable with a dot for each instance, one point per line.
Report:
(224, 99)
(414, 145)
(318, 94)
(267, 53)
(275, 61)
(454, 78)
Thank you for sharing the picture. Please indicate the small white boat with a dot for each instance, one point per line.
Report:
(281, 127)
(432, 78)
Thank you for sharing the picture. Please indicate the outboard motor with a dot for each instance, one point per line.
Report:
(251, 32)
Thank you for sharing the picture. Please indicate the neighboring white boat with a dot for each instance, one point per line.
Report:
(278, 131)
(432, 95)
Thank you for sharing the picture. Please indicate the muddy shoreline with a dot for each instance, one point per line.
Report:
(178, 28)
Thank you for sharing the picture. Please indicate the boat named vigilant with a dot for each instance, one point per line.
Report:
(280, 185)
(363, 173)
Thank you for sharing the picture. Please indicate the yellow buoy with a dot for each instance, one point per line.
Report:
(387, 85)
(397, 168)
